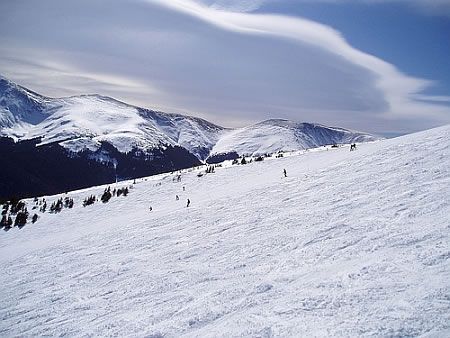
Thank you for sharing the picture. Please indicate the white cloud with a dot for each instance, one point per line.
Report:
(434, 7)
(230, 67)
(233, 5)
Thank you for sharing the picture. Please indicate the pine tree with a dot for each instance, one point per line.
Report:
(89, 200)
(4, 221)
(56, 206)
(106, 195)
(5, 209)
(21, 218)
(68, 203)
(44, 207)
(16, 206)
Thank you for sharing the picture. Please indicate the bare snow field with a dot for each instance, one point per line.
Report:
(349, 244)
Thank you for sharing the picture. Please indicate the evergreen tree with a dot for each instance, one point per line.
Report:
(16, 206)
(56, 206)
(68, 203)
(21, 218)
(5, 209)
(43, 207)
(106, 195)
(59, 205)
(89, 200)
(4, 221)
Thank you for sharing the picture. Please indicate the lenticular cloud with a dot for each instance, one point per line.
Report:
(229, 67)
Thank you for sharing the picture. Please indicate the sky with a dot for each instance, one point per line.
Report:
(379, 66)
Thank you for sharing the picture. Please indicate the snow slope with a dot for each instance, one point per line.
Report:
(20, 108)
(274, 135)
(82, 122)
(349, 244)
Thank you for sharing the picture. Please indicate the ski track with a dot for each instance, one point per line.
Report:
(349, 244)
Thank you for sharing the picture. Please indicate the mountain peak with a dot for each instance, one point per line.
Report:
(84, 121)
(19, 106)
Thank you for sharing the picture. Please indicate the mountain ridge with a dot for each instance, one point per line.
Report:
(103, 118)
(97, 139)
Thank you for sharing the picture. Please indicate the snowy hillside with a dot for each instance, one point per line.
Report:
(20, 108)
(274, 135)
(349, 244)
(83, 122)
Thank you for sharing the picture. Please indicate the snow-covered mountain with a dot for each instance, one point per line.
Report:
(74, 142)
(349, 244)
(274, 135)
(83, 122)
(20, 108)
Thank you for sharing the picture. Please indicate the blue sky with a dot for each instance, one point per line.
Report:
(374, 65)
(415, 40)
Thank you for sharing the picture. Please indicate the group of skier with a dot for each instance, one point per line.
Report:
(177, 198)
(188, 202)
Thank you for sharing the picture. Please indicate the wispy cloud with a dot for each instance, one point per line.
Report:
(230, 67)
(234, 5)
(434, 7)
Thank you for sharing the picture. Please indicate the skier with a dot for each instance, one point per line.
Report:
(184, 188)
(188, 203)
(285, 172)
(176, 198)
(150, 208)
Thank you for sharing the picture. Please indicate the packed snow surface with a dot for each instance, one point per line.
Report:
(348, 244)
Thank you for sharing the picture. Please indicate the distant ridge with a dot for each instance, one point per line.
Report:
(120, 140)
(82, 122)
